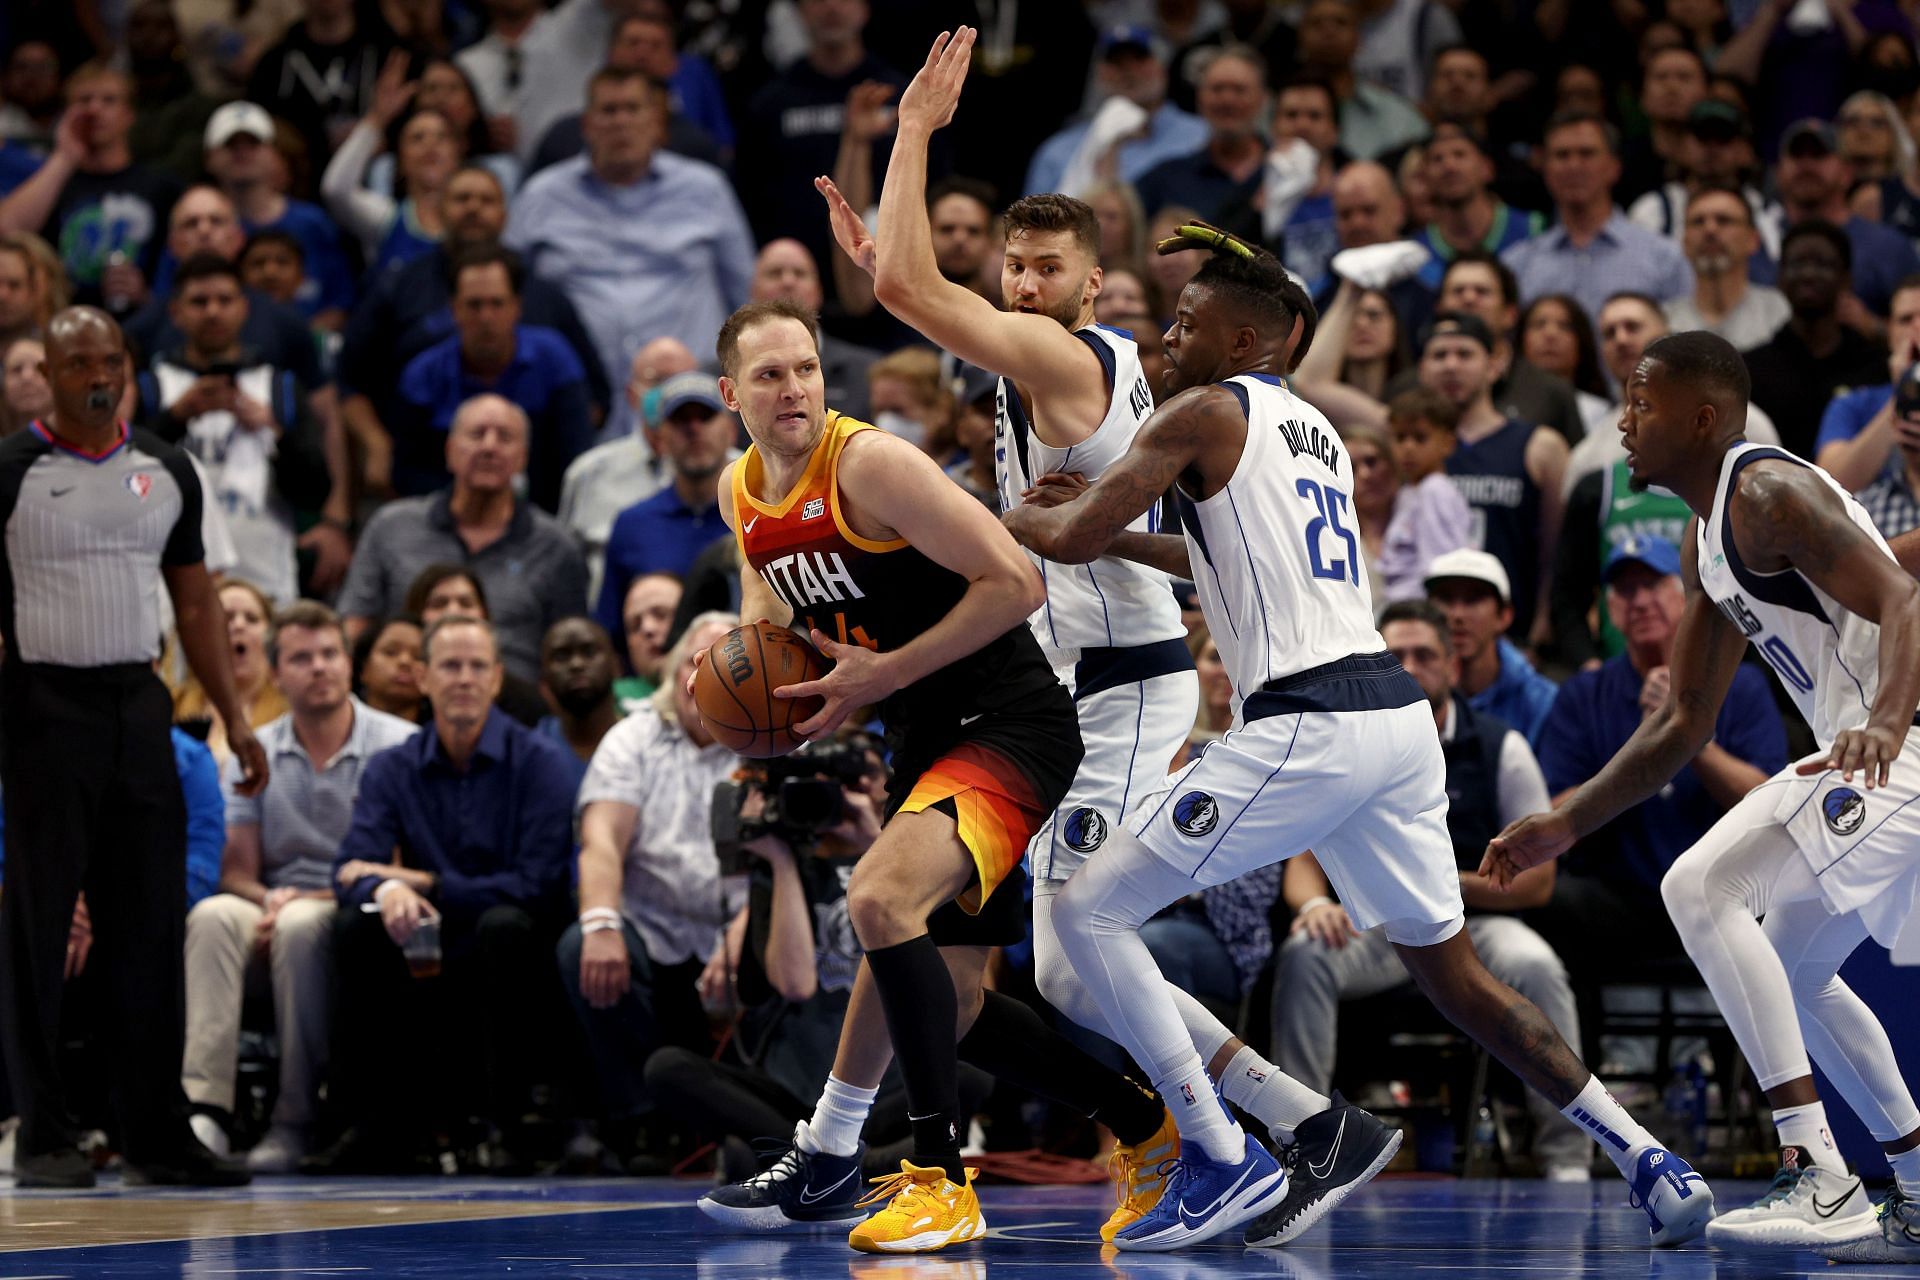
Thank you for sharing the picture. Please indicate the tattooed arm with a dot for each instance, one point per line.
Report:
(1197, 437)
(1786, 517)
(1706, 653)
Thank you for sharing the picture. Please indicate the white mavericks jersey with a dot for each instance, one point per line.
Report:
(1828, 658)
(1110, 603)
(1275, 552)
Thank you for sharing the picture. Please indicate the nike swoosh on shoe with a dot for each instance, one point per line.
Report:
(1320, 1169)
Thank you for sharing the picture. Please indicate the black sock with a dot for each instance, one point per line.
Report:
(1010, 1041)
(916, 991)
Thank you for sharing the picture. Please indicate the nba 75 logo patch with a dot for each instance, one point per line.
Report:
(1845, 810)
(815, 508)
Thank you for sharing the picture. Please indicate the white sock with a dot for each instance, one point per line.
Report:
(1200, 1115)
(1269, 1094)
(837, 1119)
(1806, 1128)
(1603, 1119)
(1906, 1172)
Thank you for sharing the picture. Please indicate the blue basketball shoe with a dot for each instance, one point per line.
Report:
(800, 1189)
(1678, 1202)
(1206, 1197)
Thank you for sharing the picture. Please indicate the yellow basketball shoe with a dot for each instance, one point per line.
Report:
(926, 1211)
(1139, 1175)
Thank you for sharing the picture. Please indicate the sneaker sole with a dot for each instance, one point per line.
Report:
(1696, 1221)
(769, 1218)
(1873, 1248)
(928, 1241)
(1304, 1220)
(1249, 1204)
(1790, 1235)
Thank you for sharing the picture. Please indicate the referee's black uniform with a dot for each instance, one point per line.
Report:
(92, 798)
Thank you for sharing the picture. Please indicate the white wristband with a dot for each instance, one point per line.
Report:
(385, 885)
(600, 925)
(599, 913)
(1322, 901)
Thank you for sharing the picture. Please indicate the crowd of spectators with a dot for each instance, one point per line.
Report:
(429, 293)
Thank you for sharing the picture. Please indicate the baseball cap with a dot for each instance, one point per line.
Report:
(1128, 37)
(1474, 566)
(1458, 324)
(1651, 550)
(1714, 118)
(236, 118)
(1807, 135)
(683, 389)
(976, 385)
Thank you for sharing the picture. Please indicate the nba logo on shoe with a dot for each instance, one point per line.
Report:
(1186, 1091)
(1845, 810)
(1086, 830)
(1195, 813)
(815, 508)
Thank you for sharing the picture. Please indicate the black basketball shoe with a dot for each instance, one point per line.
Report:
(1332, 1155)
(799, 1189)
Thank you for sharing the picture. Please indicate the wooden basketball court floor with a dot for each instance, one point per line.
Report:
(459, 1227)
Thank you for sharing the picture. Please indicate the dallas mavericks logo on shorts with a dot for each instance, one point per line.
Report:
(1195, 813)
(1086, 830)
(1845, 810)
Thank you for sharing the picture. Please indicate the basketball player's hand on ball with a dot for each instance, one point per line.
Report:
(929, 101)
(860, 678)
(1869, 750)
(1536, 838)
(1054, 488)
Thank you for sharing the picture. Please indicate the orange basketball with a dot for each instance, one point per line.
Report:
(734, 689)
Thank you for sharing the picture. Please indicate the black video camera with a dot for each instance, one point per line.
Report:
(802, 799)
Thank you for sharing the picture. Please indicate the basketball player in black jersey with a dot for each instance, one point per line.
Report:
(920, 599)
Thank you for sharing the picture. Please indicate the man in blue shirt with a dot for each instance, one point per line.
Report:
(479, 812)
(1232, 99)
(1857, 430)
(645, 244)
(664, 533)
(1593, 251)
(1133, 67)
(1609, 887)
(491, 350)
(1472, 589)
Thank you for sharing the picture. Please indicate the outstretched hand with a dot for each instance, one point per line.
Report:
(1536, 838)
(849, 231)
(929, 102)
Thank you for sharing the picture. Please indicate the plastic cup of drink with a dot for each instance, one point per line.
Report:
(422, 950)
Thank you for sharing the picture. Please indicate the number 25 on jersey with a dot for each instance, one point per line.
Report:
(1329, 505)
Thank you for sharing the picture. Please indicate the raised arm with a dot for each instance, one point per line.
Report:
(868, 116)
(1034, 350)
(1706, 653)
(1786, 517)
(1169, 444)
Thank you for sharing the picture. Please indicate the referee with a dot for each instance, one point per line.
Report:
(95, 515)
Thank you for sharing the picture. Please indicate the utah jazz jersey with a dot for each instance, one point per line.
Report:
(877, 594)
(1109, 603)
(1828, 658)
(1276, 552)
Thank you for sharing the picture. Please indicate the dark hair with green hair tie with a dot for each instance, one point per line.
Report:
(1251, 279)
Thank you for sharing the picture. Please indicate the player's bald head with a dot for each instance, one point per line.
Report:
(1704, 367)
(81, 324)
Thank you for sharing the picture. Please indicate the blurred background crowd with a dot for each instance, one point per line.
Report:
(429, 290)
